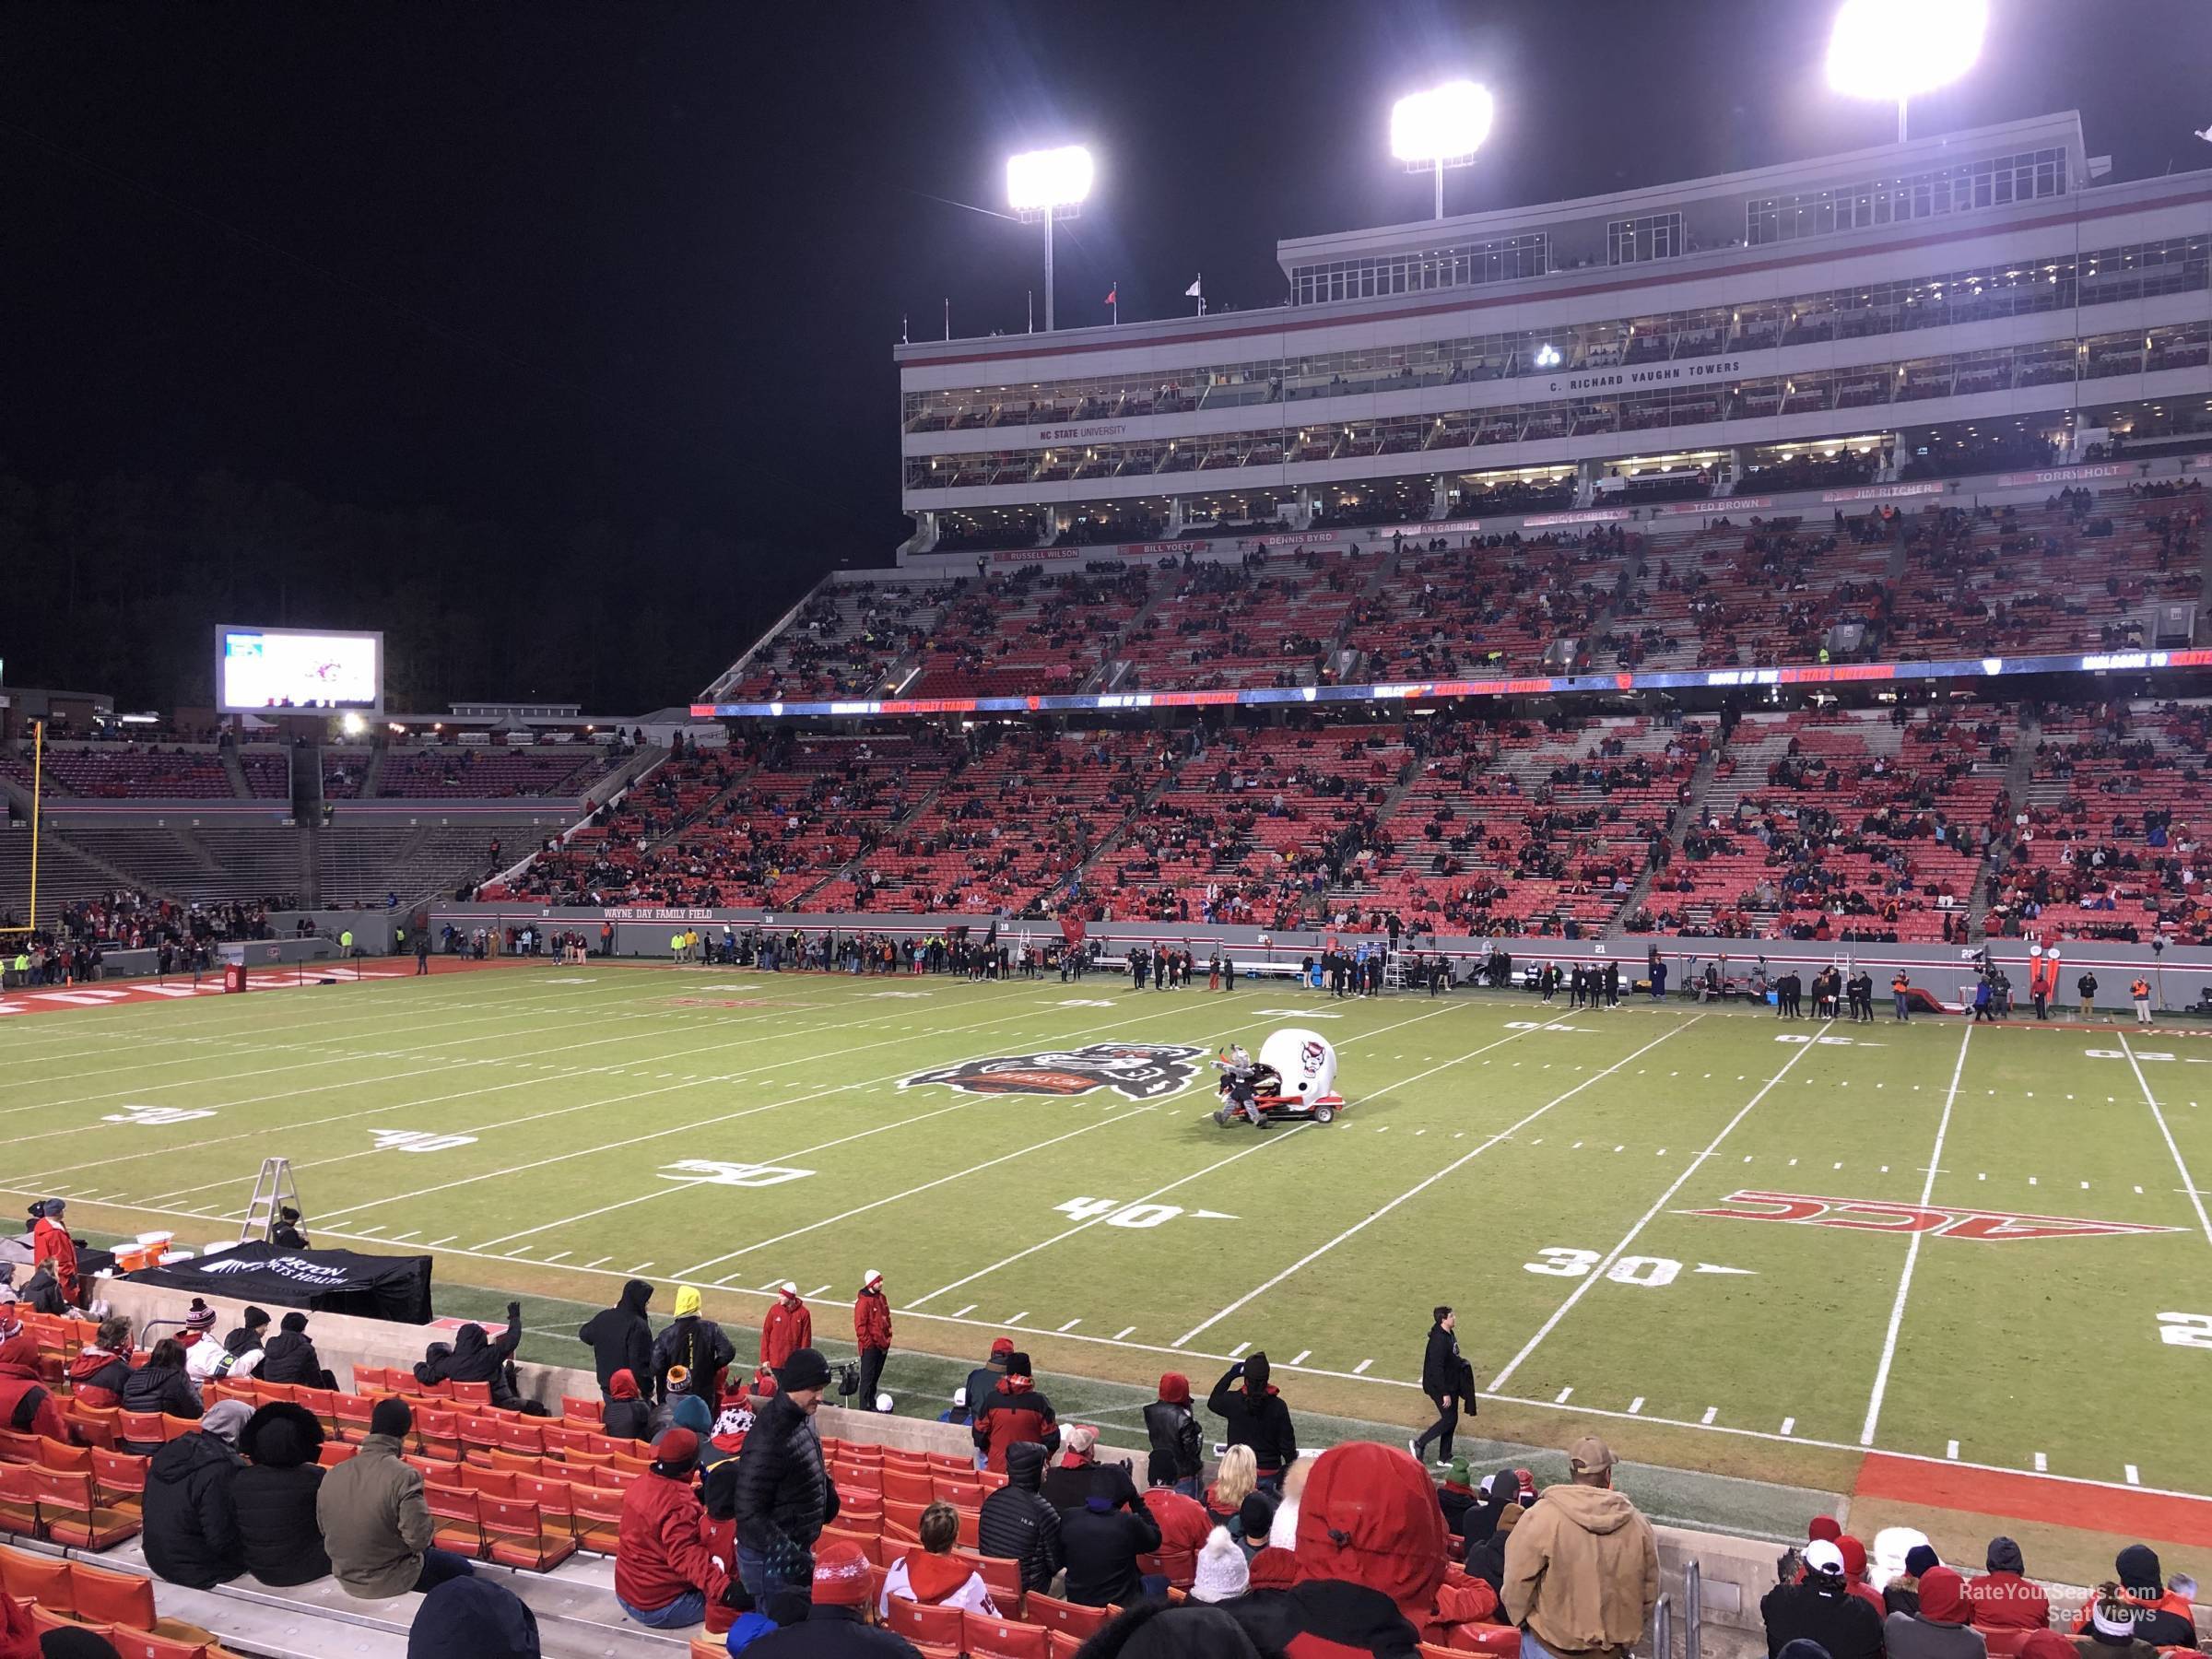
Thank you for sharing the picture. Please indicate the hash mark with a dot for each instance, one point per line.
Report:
(1788, 1424)
(1562, 1398)
(1123, 1331)
(965, 1312)
(1951, 1451)
(2133, 1478)
(1710, 1412)
(1071, 1324)
(1635, 1405)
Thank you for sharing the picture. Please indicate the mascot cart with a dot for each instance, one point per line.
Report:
(1293, 1079)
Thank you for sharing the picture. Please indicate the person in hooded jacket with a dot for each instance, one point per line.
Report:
(621, 1338)
(274, 1495)
(695, 1343)
(52, 1249)
(190, 1530)
(624, 1415)
(97, 1371)
(1254, 1414)
(871, 1334)
(25, 1405)
(1939, 1631)
(472, 1618)
(1486, 1557)
(239, 1354)
(1370, 1557)
(1172, 1427)
(932, 1575)
(1013, 1413)
(376, 1522)
(2005, 1598)
(2159, 1617)
(1100, 1543)
(291, 1356)
(1581, 1568)
(1457, 1498)
(1016, 1523)
(785, 1328)
(161, 1384)
(475, 1358)
(1820, 1607)
(1183, 1523)
(982, 1382)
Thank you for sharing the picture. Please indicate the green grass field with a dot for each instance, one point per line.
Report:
(1550, 1173)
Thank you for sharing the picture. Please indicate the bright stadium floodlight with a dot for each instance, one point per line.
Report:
(1442, 127)
(1895, 50)
(1047, 185)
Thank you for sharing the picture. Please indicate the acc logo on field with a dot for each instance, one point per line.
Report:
(1945, 1221)
(1137, 1071)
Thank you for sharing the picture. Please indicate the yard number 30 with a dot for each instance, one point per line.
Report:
(1629, 1270)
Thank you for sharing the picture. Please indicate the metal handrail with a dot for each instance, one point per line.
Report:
(1662, 1628)
(1693, 1610)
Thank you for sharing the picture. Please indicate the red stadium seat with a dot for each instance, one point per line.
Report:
(521, 1535)
(457, 1515)
(938, 1629)
(116, 1598)
(1070, 1618)
(1002, 1638)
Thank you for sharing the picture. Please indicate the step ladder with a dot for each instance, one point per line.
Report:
(272, 1190)
(1393, 971)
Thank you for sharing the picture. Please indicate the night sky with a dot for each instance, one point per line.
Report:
(543, 267)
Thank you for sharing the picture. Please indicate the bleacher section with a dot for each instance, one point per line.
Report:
(2115, 810)
(474, 775)
(109, 771)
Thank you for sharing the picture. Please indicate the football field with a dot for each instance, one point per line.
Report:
(1726, 1240)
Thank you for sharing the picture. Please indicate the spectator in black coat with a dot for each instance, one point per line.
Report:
(291, 1356)
(1820, 1607)
(621, 1337)
(1254, 1414)
(472, 1618)
(784, 1496)
(1016, 1523)
(696, 1343)
(1172, 1427)
(274, 1495)
(1447, 1379)
(161, 1384)
(625, 1416)
(474, 1357)
(1100, 1544)
(191, 1522)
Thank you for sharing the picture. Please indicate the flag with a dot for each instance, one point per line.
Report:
(1113, 295)
(1192, 292)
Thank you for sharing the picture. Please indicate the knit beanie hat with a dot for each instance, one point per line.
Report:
(1824, 1529)
(677, 1449)
(1223, 1573)
(691, 1412)
(1921, 1559)
(391, 1416)
(840, 1574)
(2004, 1556)
(295, 1321)
(1255, 1515)
(1369, 1516)
(254, 1318)
(1175, 1388)
(200, 1316)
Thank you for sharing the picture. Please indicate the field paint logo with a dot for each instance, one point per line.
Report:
(417, 1141)
(1137, 1071)
(706, 1172)
(155, 1117)
(1867, 1216)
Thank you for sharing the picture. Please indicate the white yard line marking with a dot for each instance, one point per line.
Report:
(1788, 1424)
(447, 1240)
(2042, 1463)
(2133, 1478)
(811, 1294)
(1695, 1163)
(1070, 1325)
(402, 1238)
(600, 1263)
(1636, 1407)
(1361, 1370)
(1237, 1351)
(1300, 1358)
(558, 1256)
(1421, 1187)
(1015, 1319)
(1127, 1329)
(1561, 1400)
(1710, 1412)
(639, 1268)
(1951, 1448)
(963, 1312)
(2158, 1117)
(1904, 1280)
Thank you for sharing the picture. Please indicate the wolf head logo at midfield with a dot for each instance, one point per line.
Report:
(1137, 1071)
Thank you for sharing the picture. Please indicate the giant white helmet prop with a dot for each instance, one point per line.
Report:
(1305, 1061)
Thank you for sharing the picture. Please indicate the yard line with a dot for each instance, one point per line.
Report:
(1710, 1412)
(1015, 1319)
(1904, 1281)
(1070, 1325)
(1237, 1351)
(1361, 1370)
(1127, 1329)
(1298, 1359)
(600, 1263)
(2133, 1477)
(816, 1291)
(1417, 1190)
(401, 1238)
(963, 1313)
(861, 1209)
(1788, 1424)
(2149, 1100)
(2042, 1463)
(447, 1240)
(1599, 1269)
(560, 1256)
(1636, 1407)
(639, 1268)
(1563, 1394)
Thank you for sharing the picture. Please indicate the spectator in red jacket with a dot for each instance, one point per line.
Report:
(788, 1328)
(872, 1333)
(665, 1572)
(52, 1248)
(1854, 1574)
(2005, 1598)
(97, 1371)
(1015, 1412)
(1183, 1522)
(25, 1406)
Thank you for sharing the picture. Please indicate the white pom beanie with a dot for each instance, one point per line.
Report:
(1223, 1574)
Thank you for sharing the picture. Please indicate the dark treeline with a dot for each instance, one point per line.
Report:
(117, 587)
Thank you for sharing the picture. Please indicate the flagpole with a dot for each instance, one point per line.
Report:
(948, 316)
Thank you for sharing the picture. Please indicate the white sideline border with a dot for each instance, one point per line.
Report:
(2157, 1116)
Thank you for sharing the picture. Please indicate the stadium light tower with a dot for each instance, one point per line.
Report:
(1442, 127)
(1047, 185)
(1894, 49)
